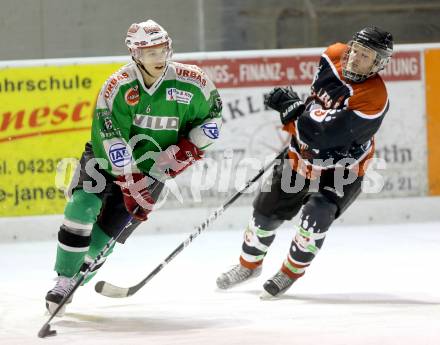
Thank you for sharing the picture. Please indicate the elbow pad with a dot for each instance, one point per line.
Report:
(205, 134)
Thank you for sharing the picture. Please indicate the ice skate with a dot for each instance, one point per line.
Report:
(54, 297)
(236, 275)
(277, 285)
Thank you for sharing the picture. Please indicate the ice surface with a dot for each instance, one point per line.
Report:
(377, 285)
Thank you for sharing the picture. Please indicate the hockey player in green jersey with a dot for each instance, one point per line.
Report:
(153, 118)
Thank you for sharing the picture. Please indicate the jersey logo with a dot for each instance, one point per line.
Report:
(108, 123)
(113, 83)
(328, 101)
(320, 115)
(216, 107)
(156, 122)
(132, 96)
(119, 155)
(180, 96)
(211, 130)
(191, 76)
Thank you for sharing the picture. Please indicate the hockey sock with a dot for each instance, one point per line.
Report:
(74, 235)
(316, 218)
(98, 241)
(258, 236)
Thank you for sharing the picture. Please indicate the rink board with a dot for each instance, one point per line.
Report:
(47, 106)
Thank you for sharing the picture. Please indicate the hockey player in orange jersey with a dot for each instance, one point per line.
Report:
(332, 137)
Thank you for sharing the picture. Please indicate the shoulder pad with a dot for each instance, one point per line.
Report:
(123, 76)
(335, 51)
(191, 74)
(370, 98)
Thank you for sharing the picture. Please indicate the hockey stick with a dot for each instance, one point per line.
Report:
(45, 329)
(110, 290)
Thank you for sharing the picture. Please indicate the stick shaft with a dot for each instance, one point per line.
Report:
(202, 227)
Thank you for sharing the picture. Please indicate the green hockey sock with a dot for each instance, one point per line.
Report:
(74, 235)
(99, 240)
(68, 263)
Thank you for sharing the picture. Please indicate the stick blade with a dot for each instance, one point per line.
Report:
(110, 290)
(45, 331)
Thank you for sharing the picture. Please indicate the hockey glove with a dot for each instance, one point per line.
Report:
(137, 198)
(176, 158)
(286, 102)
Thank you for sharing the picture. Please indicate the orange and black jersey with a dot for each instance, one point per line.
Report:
(341, 117)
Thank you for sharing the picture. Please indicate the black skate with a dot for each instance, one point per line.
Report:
(236, 275)
(277, 285)
(54, 297)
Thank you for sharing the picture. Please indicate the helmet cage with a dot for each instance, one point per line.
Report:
(369, 38)
(351, 73)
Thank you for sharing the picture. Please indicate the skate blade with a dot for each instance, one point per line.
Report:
(243, 283)
(265, 296)
(51, 307)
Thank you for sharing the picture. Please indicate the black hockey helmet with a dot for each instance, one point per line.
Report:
(378, 40)
(375, 38)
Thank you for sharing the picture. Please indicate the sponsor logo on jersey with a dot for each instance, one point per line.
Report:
(110, 134)
(216, 107)
(132, 96)
(108, 124)
(320, 115)
(326, 100)
(218, 104)
(171, 94)
(103, 113)
(119, 155)
(211, 130)
(169, 123)
(112, 84)
(180, 96)
(191, 76)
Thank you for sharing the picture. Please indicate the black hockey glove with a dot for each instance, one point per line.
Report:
(286, 102)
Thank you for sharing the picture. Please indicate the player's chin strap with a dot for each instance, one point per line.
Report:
(110, 290)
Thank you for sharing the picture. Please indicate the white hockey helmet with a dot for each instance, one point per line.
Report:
(147, 34)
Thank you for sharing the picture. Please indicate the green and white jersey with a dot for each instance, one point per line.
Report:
(183, 102)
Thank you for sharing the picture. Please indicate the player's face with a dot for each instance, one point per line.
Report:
(154, 59)
(360, 59)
